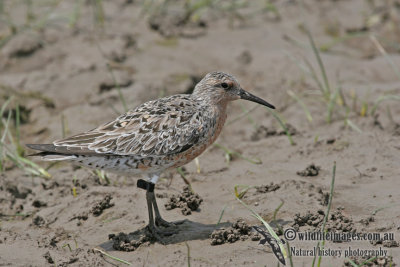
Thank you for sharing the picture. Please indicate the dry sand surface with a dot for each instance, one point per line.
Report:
(65, 62)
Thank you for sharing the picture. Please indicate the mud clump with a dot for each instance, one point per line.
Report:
(337, 222)
(187, 201)
(396, 130)
(377, 262)
(50, 185)
(81, 217)
(23, 113)
(385, 243)
(122, 80)
(100, 206)
(367, 221)
(39, 221)
(307, 188)
(130, 242)
(239, 230)
(174, 20)
(39, 204)
(48, 257)
(245, 58)
(311, 170)
(267, 188)
(308, 219)
(59, 235)
(323, 197)
(22, 45)
(265, 132)
(20, 193)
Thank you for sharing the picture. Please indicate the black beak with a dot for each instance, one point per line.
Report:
(246, 95)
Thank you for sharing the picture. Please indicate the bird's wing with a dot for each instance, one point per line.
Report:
(156, 128)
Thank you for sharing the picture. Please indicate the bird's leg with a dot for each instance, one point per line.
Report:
(158, 219)
(154, 230)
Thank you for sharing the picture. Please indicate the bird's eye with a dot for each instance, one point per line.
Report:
(224, 85)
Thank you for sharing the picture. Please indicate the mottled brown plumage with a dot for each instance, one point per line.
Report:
(155, 136)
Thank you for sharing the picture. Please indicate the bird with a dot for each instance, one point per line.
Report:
(154, 137)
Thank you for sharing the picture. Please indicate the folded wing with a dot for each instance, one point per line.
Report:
(156, 128)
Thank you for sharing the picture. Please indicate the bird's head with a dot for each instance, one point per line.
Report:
(219, 86)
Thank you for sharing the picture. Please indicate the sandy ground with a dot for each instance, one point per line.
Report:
(61, 72)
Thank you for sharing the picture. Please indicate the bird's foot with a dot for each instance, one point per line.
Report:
(158, 233)
(161, 222)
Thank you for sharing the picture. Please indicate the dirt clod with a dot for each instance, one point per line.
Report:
(59, 235)
(368, 220)
(239, 230)
(187, 201)
(377, 262)
(386, 243)
(22, 45)
(265, 132)
(39, 221)
(122, 80)
(82, 216)
(267, 188)
(130, 242)
(310, 170)
(48, 257)
(39, 204)
(21, 192)
(100, 206)
(337, 222)
(174, 20)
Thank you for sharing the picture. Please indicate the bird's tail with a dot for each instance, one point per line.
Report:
(48, 152)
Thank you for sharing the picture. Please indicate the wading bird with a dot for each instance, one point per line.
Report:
(156, 136)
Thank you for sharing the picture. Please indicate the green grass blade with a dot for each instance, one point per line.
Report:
(112, 257)
(353, 263)
(283, 125)
(3, 108)
(229, 153)
(301, 103)
(33, 165)
(353, 126)
(251, 120)
(308, 70)
(368, 261)
(242, 115)
(102, 176)
(6, 130)
(120, 95)
(331, 104)
(383, 98)
(244, 188)
(188, 254)
(20, 149)
(328, 46)
(277, 210)
(267, 226)
(385, 55)
(220, 216)
(328, 209)
(320, 63)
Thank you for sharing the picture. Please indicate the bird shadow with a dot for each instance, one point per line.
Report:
(188, 230)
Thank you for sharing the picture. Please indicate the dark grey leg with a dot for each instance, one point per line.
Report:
(151, 226)
(159, 221)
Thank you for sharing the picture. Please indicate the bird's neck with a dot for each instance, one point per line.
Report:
(220, 115)
(210, 98)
